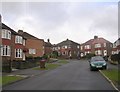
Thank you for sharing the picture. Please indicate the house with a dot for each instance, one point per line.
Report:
(116, 47)
(12, 48)
(48, 47)
(97, 46)
(13, 44)
(67, 49)
(34, 45)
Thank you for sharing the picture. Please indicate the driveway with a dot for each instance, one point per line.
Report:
(75, 75)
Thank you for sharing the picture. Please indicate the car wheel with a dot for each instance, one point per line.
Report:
(91, 69)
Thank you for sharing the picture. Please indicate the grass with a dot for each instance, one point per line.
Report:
(49, 66)
(112, 74)
(9, 79)
(63, 61)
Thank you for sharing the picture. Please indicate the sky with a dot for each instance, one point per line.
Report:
(58, 21)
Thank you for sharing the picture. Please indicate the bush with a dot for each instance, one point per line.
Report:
(88, 56)
(115, 57)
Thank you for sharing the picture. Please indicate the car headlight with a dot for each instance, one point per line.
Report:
(92, 65)
(104, 64)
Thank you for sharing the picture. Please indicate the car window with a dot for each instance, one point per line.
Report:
(94, 59)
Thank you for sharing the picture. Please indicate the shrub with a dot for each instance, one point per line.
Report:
(88, 56)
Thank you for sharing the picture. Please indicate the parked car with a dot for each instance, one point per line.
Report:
(97, 62)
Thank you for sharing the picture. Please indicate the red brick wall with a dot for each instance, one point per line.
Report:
(35, 44)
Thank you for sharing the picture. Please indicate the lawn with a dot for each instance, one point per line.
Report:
(112, 74)
(48, 66)
(9, 79)
(63, 61)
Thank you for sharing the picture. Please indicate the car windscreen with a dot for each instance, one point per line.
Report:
(94, 59)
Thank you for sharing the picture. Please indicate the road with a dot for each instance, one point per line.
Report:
(72, 76)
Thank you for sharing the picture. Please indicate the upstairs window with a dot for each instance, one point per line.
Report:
(18, 39)
(104, 44)
(87, 46)
(97, 45)
(78, 46)
(6, 34)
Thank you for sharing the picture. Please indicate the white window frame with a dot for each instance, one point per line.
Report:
(5, 50)
(81, 47)
(32, 51)
(19, 39)
(18, 53)
(24, 42)
(65, 46)
(105, 44)
(6, 34)
(87, 46)
(98, 45)
(78, 46)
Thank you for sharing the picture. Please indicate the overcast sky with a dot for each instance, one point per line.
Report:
(77, 21)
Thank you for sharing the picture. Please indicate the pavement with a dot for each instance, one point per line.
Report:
(25, 72)
(75, 75)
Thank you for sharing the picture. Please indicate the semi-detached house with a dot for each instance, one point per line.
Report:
(34, 45)
(97, 46)
(13, 46)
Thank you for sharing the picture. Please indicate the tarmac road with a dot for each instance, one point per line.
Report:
(75, 75)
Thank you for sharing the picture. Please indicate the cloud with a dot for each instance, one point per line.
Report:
(61, 20)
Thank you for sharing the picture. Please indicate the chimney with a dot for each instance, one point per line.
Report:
(20, 32)
(48, 40)
(95, 37)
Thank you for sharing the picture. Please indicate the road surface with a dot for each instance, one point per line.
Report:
(75, 75)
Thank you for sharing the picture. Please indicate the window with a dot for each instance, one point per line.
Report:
(81, 47)
(104, 44)
(98, 52)
(32, 51)
(58, 48)
(105, 52)
(87, 46)
(18, 39)
(5, 50)
(97, 45)
(6, 34)
(24, 42)
(18, 53)
(78, 46)
(65, 47)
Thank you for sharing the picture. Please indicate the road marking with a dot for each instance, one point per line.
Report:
(109, 81)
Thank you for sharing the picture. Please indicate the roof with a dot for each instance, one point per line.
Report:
(48, 44)
(29, 36)
(67, 42)
(12, 31)
(97, 40)
(8, 28)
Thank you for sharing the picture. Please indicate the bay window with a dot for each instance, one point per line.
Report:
(5, 50)
(18, 39)
(6, 34)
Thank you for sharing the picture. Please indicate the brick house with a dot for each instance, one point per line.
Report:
(116, 47)
(97, 46)
(67, 49)
(12, 49)
(34, 45)
(48, 47)
(13, 44)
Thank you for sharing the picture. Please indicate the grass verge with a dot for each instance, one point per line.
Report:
(9, 79)
(49, 66)
(112, 74)
(63, 61)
